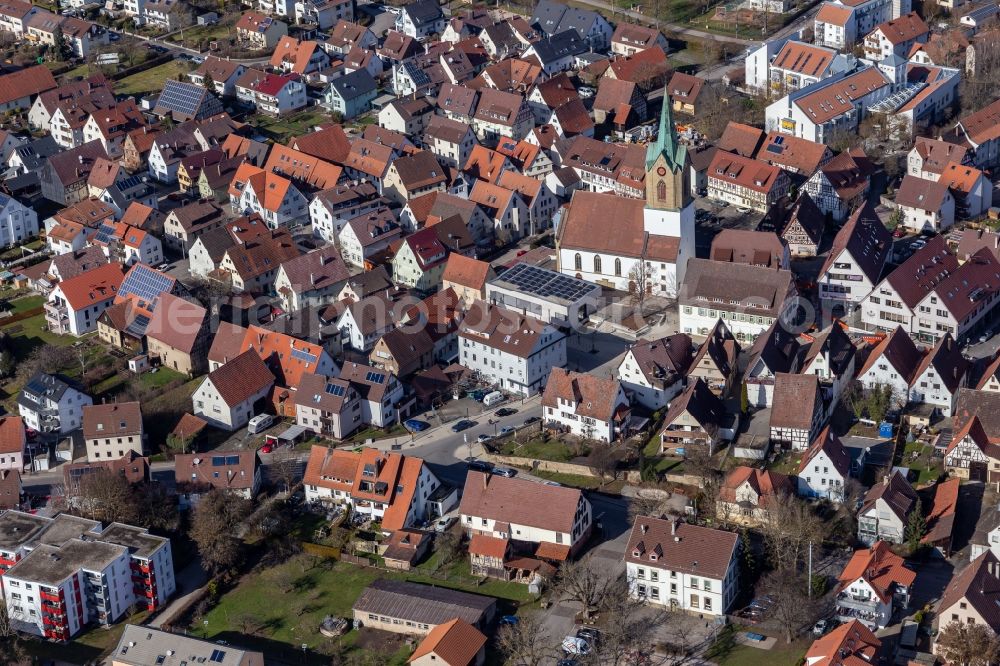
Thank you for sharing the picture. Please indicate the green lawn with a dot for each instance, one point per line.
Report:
(295, 124)
(195, 35)
(926, 468)
(362, 436)
(27, 303)
(152, 80)
(543, 449)
(726, 652)
(161, 377)
(329, 589)
(34, 334)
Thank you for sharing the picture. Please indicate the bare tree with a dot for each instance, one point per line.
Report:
(646, 505)
(968, 644)
(628, 625)
(526, 643)
(106, 496)
(791, 607)
(285, 466)
(586, 585)
(217, 516)
(603, 460)
(791, 526)
(639, 280)
(247, 623)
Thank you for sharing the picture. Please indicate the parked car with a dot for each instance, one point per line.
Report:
(478, 465)
(482, 439)
(509, 619)
(443, 523)
(506, 472)
(267, 448)
(478, 394)
(464, 424)
(820, 627)
(506, 411)
(532, 419)
(589, 634)
(574, 645)
(507, 430)
(416, 425)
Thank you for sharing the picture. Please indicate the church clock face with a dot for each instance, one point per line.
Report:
(661, 171)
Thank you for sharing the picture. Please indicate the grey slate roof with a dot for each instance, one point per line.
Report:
(354, 85)
(560, 45)
(422, 603)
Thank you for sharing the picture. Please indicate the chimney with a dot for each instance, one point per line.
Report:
(644, 528)
(885, 480)
(673, 527)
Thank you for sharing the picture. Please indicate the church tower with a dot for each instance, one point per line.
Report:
(669, 207)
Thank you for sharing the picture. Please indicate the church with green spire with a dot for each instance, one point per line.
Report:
(627, 243)
(668, 178)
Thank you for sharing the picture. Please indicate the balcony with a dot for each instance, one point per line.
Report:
(50, 596)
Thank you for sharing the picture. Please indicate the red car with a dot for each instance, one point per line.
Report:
(31, 434)
(267, 448)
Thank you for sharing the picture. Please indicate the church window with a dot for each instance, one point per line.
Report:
(578, 262)
(597, 263)
(618, 267)
(661, 190)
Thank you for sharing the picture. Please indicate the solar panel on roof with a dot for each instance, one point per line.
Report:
(232, 460)
(138, 326)
(218, 461)
(540, 282)
(145, 284)
(104, 233)
(375, 377)
(303, 355)
(179, 96)
(335, 389)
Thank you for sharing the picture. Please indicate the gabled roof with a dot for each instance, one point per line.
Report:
(744, 172)
(880, 568)
(454, 643)
(895, 491)
(828, 443)
(704, 407)
(770, 487)
(297, 53)
(792, 152)
(666, 357)
(517, 501)
(117, 419)
(922, 194)
(176, 322)
(903, 29)
(865, 239)
(241, 378)
(12, 434)
(25, 83)
(851, 644)
(898, 350)
(809, 217)
(806, 59)
(595, 397)
(741, 139)
(228, 470)
(979, 586)
(941, 518)
(93, 286)
(757, 248)
(948, 362)
(838, 97)
(796, 400)
(466, 272)
(679, 546)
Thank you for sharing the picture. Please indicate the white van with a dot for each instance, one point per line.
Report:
(259, 423)
(494, 398)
